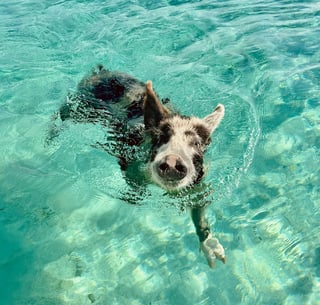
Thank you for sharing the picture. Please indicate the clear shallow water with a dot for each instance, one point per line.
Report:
(65, 237)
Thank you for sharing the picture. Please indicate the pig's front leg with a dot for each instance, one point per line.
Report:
(209, 245)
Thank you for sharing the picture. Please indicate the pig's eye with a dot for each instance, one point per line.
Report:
(165, 134)
(196, 144)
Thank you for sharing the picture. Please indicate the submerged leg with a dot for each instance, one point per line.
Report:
(210, 246)
(200, 223)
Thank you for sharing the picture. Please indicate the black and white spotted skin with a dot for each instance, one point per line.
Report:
(179, 144)
(136, 116)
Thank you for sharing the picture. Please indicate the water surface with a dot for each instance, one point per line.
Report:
(67, 238)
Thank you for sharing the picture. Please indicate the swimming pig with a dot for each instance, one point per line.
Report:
(137, 120)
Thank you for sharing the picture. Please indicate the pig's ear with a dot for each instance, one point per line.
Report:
(153, 110)
(213, 120)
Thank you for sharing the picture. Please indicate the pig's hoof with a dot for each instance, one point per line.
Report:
(213, 250)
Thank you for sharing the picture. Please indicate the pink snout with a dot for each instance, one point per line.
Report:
(171, 167)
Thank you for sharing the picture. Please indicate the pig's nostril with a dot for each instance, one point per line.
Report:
(181, 168)
(163, 167)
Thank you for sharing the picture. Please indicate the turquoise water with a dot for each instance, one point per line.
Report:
(67, 238)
